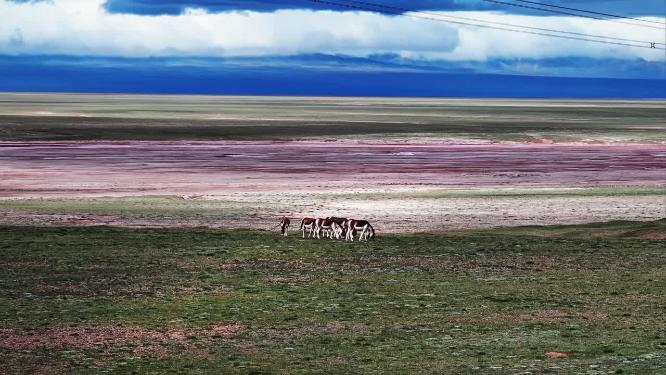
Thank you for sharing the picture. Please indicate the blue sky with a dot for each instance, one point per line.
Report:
(287, 47)
(623, 7)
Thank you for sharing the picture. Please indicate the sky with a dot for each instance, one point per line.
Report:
(300, 47)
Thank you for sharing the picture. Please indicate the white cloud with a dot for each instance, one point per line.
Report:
(84, 27)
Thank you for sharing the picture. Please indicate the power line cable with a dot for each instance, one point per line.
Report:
(402, 10)
(590, 12)
(572, 14)
(361, 5)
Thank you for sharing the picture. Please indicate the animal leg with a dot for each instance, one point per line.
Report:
(361, 236)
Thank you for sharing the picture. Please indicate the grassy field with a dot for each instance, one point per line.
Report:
(105, 299)
(31, 117)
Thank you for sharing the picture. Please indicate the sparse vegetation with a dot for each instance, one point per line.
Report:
(80, 297)
(106, 299)
(32, 117)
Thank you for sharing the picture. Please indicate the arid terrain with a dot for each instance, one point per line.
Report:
(408, 165)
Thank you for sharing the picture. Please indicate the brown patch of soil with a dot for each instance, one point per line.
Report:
(314, 328)
(554, 355)
(652, 235)
(110, 339)
(112, 287)
(289, 280)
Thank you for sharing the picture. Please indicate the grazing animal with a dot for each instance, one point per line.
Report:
(284, 225)
(328, 228)
(308, 223)
(366, 230)
(341, 222)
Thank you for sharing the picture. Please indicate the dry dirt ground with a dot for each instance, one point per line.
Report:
(411, 215)
(405, 164)
(401, 187)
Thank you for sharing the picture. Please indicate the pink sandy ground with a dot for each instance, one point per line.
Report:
(293, 177)
(102, 169)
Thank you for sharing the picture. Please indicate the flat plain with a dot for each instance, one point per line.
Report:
(243, 162)
(514, 236)
(116, 300)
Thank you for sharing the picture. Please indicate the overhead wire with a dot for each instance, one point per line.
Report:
(401, 9)
(572, 14)
(589, 11)
(395, 10)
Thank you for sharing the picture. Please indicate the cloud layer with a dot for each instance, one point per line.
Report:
(87, 28)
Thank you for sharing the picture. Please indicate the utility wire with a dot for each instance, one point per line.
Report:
(374, 7)
(589, 11)
(402, 10)
(572, 14)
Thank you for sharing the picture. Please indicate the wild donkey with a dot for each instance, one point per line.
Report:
(341, 222)
(367, 231)
(328, 228)
(308, 223)
(284, 225)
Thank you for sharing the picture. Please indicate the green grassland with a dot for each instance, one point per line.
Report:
(163, 117)
(490, 301)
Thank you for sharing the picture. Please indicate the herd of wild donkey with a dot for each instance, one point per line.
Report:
(332, 227)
